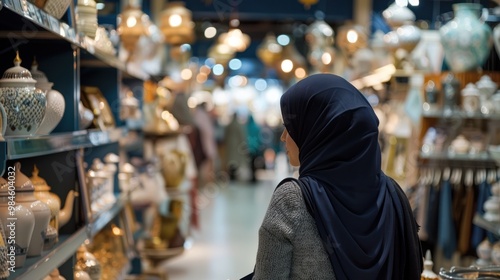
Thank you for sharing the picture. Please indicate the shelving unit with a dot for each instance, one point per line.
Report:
(70, 62)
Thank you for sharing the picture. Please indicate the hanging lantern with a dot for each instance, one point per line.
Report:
(320, 39)
(176, 24)
(235, 39)
(351, 38)
(292, 64)
(269, 51)
(221, 53)
(132, 24)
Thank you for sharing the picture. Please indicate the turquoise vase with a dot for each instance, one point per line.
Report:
(466, 39)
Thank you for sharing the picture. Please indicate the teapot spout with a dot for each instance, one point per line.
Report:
(67, 211)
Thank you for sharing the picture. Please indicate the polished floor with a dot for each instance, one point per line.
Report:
(225, 245)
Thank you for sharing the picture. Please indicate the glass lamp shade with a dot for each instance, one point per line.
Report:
(269, 51)
(351, 38)
(221, 53)
(235, 39)
(320, 34)
(176, 24)
(290, 61)
(132, 24)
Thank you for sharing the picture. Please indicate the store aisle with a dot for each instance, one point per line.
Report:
(225, 246)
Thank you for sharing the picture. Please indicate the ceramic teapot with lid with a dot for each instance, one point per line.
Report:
(25, 220)
(58, 216)
(24, 105)
(25, 195)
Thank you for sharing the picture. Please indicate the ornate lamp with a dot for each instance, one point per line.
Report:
(132, 24)
(269, 51)
(176, 24)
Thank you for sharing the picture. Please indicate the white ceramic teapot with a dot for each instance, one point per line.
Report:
(25, 220)
(25, 195)
(58, 216)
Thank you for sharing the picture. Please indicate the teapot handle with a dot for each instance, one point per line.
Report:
(3, 115)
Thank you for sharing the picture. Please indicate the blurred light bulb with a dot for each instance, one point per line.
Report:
(287, 65)
(175, 20)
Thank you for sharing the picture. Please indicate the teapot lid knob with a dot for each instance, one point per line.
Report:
(17, 59)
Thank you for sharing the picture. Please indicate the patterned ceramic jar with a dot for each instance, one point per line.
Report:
(24, 105)
(466, 39)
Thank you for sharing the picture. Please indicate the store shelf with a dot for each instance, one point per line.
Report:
(458, 114)
(29, 14)
(22, 12)
(23, 147)
(66, 247)
(483, 159)
(37, 267)
(19, 147)
(106, 216)
(487, 225)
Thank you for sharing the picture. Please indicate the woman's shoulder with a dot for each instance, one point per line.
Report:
(287, 195)
(288, 188)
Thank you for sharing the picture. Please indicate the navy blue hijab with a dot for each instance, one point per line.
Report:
(362, 216)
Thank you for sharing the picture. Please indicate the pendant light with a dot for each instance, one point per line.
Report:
(269, 51)
(176, 24)
(132, 24)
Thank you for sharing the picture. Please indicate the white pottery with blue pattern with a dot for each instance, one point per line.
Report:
(466, 39)
(24, 105)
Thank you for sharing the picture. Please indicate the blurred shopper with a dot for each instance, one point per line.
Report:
(235, 152)
(206, 127)
(343, 218)
(254, 145)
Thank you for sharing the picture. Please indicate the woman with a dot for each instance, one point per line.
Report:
(343, 218)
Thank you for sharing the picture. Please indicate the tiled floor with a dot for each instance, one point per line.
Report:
(225, 246)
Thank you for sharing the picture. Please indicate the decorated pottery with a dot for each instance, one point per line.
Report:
(495, 101)
(174, 167)
(4, 259)
(86, 17)
(85, 116)
(492, 206)
(471, 101)
(495, 253)
(23, 103)
(486, 86)
(496, 38)
(58, 216)
(466, 39)
(460, 145)
(428, 273)
(25, 195)
(3, 122)
(483, 251)
(396, 15)
(55, 101)
(450, 88)
(86, 261)
(25, 220)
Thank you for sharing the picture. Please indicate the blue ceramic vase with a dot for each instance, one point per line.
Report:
(466, 39)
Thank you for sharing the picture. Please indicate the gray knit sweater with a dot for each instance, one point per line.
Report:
(289, 243)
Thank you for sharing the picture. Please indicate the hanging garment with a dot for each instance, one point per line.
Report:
(446, 238)
(422, 208)
(432, 215)
(466, 222)
(478, 233)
